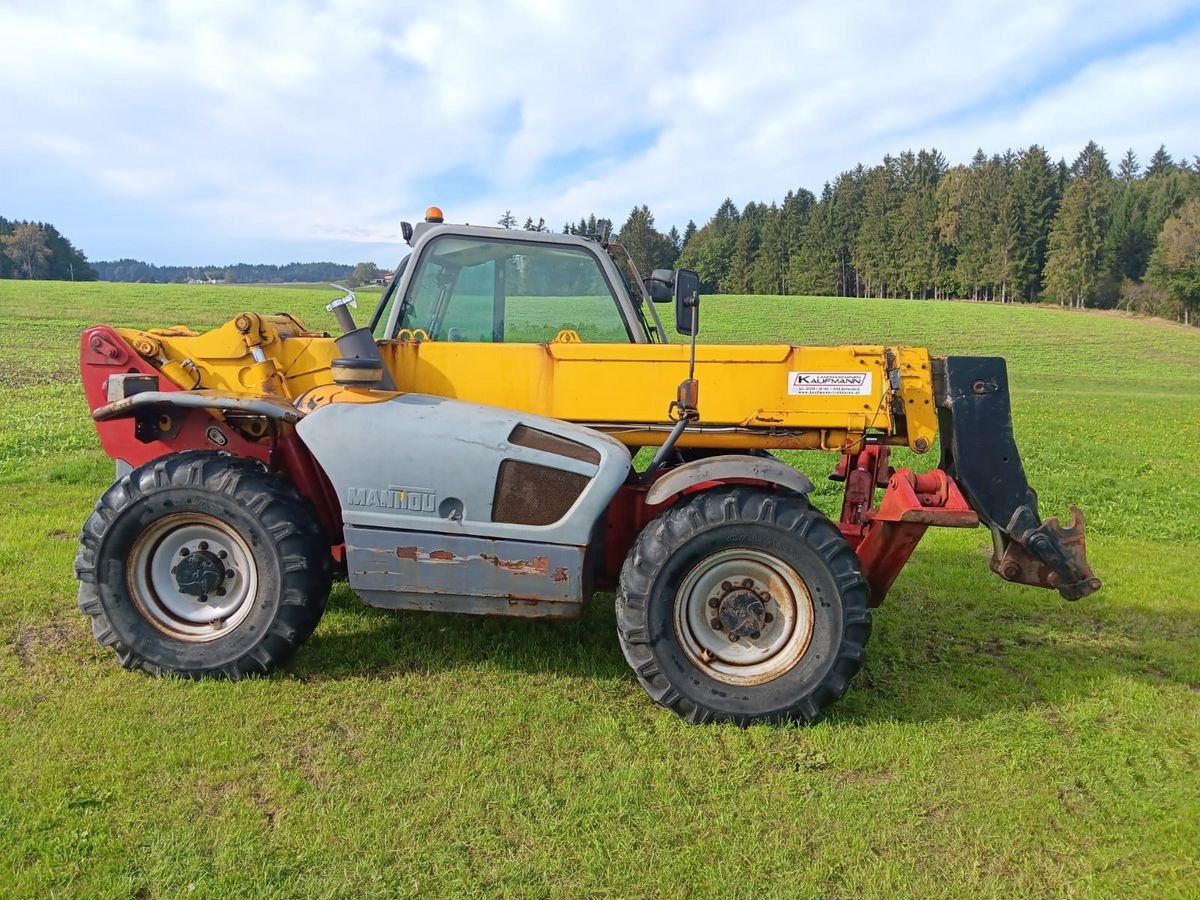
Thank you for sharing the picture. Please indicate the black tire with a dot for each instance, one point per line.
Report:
(660, 640)
(278, 566)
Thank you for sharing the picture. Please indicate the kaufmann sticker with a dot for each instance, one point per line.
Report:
(843, 384)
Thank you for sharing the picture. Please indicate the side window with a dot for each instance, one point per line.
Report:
(482, 289)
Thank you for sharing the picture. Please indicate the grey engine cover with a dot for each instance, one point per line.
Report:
(417, 477)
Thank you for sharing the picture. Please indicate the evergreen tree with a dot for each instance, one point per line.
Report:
(793, 216)
(920, 259)
(711, 248)
(1076, 264)
(951, 193)
(1129, 241)
(978, 219)
(1002, 270)
(874, 246)
(1128, 168)
(815, 263)
(1092, 162)
(1160, 163)
(676, 240)
(647, 247)
(769, 266)
(1035, 194)
(745, 249)
(508, 220)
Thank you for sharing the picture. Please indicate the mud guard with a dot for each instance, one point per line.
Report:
(724, 468)
(980, 453)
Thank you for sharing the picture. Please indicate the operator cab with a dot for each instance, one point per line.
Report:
(495, 285)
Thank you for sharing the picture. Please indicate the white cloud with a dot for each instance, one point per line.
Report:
(325, 120)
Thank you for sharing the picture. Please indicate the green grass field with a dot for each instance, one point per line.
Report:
(999, 740)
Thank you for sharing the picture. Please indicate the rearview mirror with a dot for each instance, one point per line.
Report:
(687, 301)
(658, 285)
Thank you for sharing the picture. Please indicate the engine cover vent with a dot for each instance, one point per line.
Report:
(536, 439)
(529, 494)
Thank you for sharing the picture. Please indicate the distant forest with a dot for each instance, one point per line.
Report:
(242, 273)
(1012, 227)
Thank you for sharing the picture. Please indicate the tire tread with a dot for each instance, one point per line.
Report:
(714, 509)
(303, 551)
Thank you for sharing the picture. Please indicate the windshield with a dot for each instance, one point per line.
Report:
(500, 290)
(625, 265)
(380, 316)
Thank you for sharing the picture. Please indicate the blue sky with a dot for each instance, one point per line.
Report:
(213, 132)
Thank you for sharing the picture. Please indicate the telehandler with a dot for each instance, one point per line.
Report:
(471, 450)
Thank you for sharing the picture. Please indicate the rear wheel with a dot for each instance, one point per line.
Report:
(743, 605)
(203, 564)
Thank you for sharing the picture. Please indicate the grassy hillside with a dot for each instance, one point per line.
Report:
(997, 740)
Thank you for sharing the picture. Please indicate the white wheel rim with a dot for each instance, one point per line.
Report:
(153, 577)
(743, 616)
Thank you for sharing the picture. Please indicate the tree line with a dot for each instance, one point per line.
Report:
(1011, 227)
(241, 273)
(38, 250)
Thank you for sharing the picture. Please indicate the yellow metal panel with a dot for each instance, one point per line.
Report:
(741, 385)
(916, 394)
(750, 395)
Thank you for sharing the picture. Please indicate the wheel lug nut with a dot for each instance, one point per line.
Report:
(222, 555)
(726, 586)
(204, 545)
(734, 637)
(714, 602)
(220, 592)
(768, 618)
(184, 552)
(756, 635)
(716, 624)
(204, 598)
(747, 583)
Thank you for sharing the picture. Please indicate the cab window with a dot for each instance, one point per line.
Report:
(496, 290)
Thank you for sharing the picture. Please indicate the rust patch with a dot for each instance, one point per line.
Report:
(560, 575)
(441, 555)
(412, 553)
(539, 565)
(1051, 552)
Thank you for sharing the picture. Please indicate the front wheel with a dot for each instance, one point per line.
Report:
(743, 605)
(202, 564)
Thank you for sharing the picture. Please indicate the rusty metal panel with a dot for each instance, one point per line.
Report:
(451, 573)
